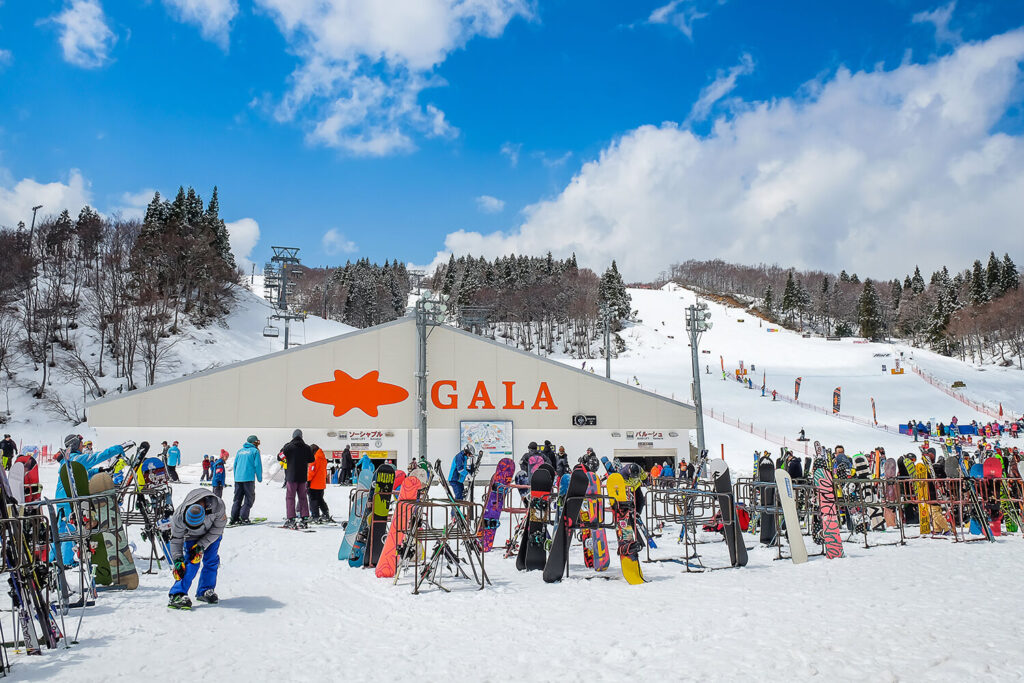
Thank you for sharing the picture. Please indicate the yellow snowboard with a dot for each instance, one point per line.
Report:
(625, 531)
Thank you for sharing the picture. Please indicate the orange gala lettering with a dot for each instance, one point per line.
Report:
(480, 396)
(508, 398)
(453, 399)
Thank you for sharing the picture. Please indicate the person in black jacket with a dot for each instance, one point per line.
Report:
(548, 453)
(8, 449)
(347, 465)
(297, 456)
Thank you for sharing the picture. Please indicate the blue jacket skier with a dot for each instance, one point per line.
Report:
(72, 452)
(173, 460)
(458, 472)
(196, 530)
(219, 479)
(248, 470)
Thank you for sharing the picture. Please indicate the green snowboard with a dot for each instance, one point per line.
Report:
(77, 480)
(120, 563)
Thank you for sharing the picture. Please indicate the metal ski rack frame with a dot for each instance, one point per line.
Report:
(516, 526)
(688, 507)
(140, 509)
(448, 536)
(604, 510)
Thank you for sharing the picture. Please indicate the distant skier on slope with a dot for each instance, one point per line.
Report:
(196, 530)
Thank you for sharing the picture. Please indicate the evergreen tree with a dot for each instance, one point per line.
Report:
(1010, 279)
(979, 287)
(769, 300)
(612, 290)
(994, 276)
(215, 225)
(895, 293)
(907, 284)
(869, 312)
(790, 297)
(854, 280)
(843, 277)
(917, 282)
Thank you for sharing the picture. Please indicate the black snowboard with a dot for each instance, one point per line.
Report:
(383, 486)
(554, 569)
(727, 504)
(532, 554)
(765, 474)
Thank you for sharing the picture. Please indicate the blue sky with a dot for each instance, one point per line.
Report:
(806, 133)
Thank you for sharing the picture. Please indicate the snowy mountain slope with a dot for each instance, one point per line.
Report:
(238, 337)
(658, 356)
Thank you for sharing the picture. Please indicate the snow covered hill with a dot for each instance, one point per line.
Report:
(658, 356)
(238, 337)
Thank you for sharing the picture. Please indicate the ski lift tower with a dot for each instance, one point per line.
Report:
(278, 283)
(698, 321)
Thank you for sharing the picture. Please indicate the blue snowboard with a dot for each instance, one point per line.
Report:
(355, 518)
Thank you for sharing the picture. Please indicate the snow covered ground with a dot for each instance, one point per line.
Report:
(291, 612)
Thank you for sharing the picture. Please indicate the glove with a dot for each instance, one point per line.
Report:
(128, 444)
(195, 554)
(178, 571)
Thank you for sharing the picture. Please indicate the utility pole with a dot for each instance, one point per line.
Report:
(32, 229)
(697, 322)
(429, 314)
(606, 314)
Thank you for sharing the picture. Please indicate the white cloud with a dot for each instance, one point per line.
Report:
(940, 18)
(212, 16)
(724, 83)
(871, 171)
(511, 151)
(682, 14)
(489, 204)
(364, 65)
(85, 38)
(244, 235)
(334, 242)
(553, 162)
(133, 204)
(5, 57)
(18, 198)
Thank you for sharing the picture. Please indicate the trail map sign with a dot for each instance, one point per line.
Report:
(494, 437)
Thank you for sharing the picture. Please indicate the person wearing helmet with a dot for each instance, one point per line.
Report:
(248, 470)
(173, 460)
(196, 530)
(220, 476)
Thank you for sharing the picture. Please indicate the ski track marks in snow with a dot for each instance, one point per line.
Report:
(290, 612)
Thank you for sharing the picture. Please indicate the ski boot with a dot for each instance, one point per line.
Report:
(303, 523)
(290, 523)
(209, 597)
(179, 602)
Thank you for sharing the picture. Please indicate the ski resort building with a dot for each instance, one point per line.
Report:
(363, 390)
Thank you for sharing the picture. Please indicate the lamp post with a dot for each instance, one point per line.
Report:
(697, 322)
(32, 229)
(606, 315)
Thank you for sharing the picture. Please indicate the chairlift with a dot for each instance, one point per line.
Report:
(271, 331)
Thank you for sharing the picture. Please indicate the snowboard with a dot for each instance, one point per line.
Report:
(719, 471)
(797, 548)
(830, 535)
(993, 472)
(75, 477)
(588, 514)
(977, 474)
(119, 554)
(491, 517)
(766, 474)
(889, 471)
(383, 486)
(624, 511)
(609, 467)
(532, 554)
(16, 480)
(387, 563)
(597, 539)
(356, 513)
(567, 521)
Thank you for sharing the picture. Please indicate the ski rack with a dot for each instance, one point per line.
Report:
(854, 506)
(516, 526)
(688, 507)
(140, 509)
(604, 510)
(448, 537)
(26, 537)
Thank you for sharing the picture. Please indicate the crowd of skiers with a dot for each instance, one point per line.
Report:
(965, 432)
